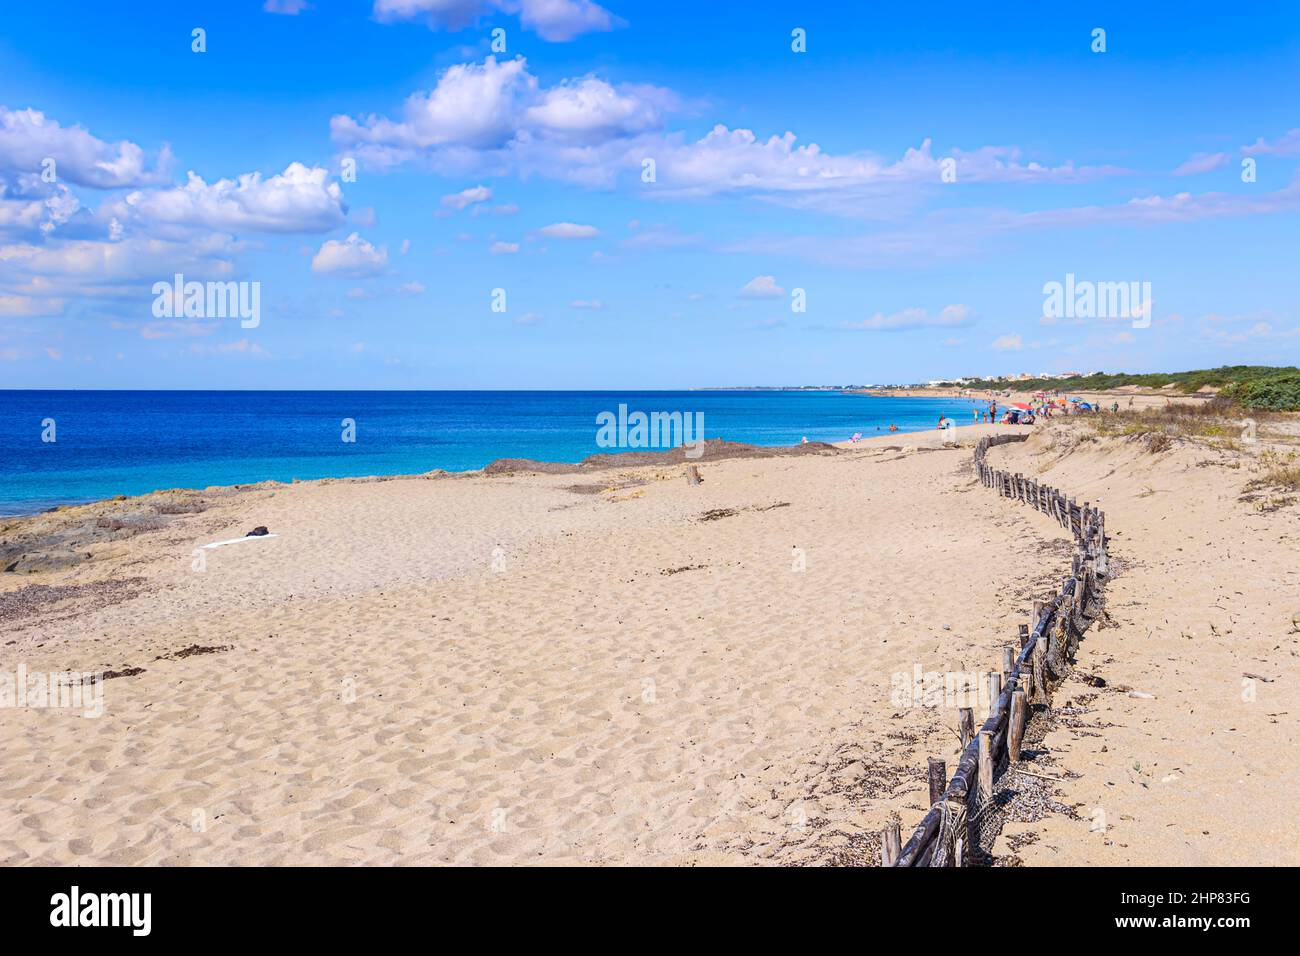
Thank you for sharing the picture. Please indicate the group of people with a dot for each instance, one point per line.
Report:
(1045, 408)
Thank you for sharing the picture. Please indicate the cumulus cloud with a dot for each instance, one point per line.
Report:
(552, 20)
(298, 200)
(588, 111)
(290, 8)
(1007, 343)
(132, 259)
(503, 248)
(467, 197)
(761, 287)
(498, 116)
(353, 257)
(782, 170)
(62, 250)
(473, 105)
(500, 108)
(28, 137)
(568, 230)
(915, 318)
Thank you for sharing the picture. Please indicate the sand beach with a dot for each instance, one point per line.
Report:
(617, 666)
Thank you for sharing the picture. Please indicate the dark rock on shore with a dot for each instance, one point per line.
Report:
(715, 449)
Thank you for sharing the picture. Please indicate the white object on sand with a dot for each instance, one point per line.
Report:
(251, 537)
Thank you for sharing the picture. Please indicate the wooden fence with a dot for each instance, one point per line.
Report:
(961, 808)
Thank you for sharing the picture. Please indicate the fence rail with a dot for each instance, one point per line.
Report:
(960, 807)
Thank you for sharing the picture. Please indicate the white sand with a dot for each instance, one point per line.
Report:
(498, 670)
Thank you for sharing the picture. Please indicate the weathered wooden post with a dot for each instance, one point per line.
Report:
(961, 839)
(1024, 635)
(966, 725)
(1039, 659)
(995, 691)
(938, 776)
(891, 843)
(986, 767)
(1008, 662)
(1016, 725)
(693, 475)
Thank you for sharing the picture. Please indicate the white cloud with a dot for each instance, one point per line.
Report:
(467, 197)
(560, 20)
(297, 200)
(498, 117)
(354, 257)
(594, 304)
(552, 20)
(503, 248)
(568, 230)
(28, 137)
(289, 8)
(27, 306)
(500, 109)
(949, 316)
(966, 233)
(1288, 144)
(474, 105)
(86, 263)
(1201, 163)
(761, 287)
(588, 111)
(1007, 343)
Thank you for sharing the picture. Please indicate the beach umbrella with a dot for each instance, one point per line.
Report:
(1021, 405)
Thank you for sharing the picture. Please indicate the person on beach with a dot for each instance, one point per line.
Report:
(893, 428)
(940, 419)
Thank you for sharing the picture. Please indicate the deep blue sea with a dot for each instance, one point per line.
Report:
(119, 442)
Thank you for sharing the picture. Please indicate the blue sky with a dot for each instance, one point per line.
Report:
(522, 170)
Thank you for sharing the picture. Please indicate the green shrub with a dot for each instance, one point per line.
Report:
(1226, 376)
(1278, 393)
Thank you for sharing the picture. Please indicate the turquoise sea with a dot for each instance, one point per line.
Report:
(124, 442)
